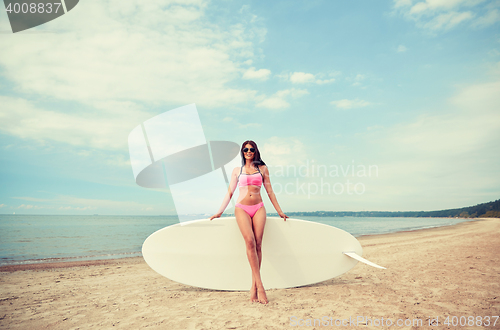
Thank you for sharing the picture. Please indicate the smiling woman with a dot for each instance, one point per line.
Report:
(250, 212)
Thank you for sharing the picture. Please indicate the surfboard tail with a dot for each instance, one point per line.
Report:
(354, 255)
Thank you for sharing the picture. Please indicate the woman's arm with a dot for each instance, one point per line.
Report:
(230, 191)
(270, 192)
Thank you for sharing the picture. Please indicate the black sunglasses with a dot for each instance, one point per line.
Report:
(251, 150)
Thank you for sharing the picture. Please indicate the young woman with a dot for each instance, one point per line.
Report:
(249, 211)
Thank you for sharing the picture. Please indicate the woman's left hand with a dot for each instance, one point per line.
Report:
(283, 215)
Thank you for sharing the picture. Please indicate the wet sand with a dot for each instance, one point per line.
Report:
(431, 273)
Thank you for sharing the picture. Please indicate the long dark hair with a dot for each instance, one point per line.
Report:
(256, 156)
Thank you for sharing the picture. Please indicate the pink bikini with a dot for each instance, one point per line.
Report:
(254, 179)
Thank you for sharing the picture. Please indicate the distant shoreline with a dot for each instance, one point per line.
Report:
(139, 259)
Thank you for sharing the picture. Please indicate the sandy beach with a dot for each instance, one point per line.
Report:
(431, 274)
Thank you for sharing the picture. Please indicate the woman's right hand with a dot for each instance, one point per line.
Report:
(283, 215)
(215, 216)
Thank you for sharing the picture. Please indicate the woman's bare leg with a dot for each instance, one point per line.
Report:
(258, 224)
(245, 224)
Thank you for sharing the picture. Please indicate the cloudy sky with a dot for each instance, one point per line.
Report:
(376, 105)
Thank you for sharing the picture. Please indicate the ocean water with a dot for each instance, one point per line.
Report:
(54, 238)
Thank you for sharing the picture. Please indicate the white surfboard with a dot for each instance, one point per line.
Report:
(212, 255)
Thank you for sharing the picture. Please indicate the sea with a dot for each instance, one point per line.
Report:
(28, 239)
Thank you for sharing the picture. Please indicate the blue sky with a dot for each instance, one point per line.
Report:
(408, 87)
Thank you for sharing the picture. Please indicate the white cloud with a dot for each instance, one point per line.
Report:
(495, 68)
(306, 78)
(2, 205)
(436, 15)
(350, 104)
(401, 3)
(110, 60)
(302, 78)
(244, 8)
(28, 207)
(357, 80)
(261, 74)
(284, 76)
(250, 125)
(401, 49)
(436, 149)
(490, 18)
(435, 5)
(448, 20)
(240, 125)
(282, 151)
(293, 92)
(325, 81)
(279, 99)
(25, 120)
(480, 99)
(162, 51)
(273, 102)
(32, 199)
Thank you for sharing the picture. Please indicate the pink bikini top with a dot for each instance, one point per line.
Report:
(254, 179)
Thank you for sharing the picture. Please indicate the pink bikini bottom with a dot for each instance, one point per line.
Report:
(250, 209)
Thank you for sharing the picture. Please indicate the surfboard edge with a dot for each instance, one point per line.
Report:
(357, 257)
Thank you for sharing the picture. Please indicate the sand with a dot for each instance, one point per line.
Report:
(432, 273)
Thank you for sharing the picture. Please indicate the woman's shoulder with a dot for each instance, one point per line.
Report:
(262, 168)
